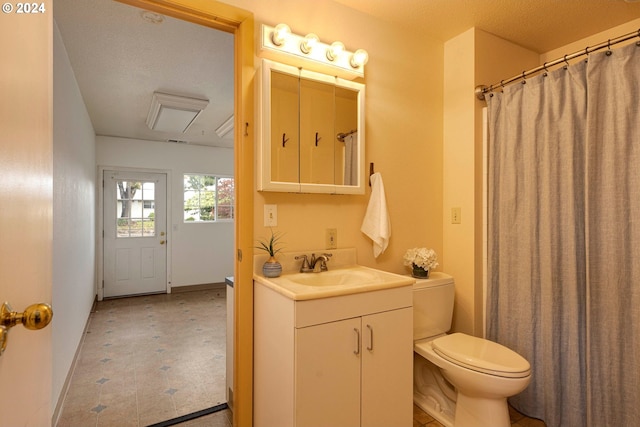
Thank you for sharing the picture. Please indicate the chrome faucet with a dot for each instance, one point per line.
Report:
(304, 268)
(314, 265)
(322, 259)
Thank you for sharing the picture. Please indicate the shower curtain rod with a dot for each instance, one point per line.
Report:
(482, 89)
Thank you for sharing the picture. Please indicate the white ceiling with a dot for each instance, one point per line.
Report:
(120, 59)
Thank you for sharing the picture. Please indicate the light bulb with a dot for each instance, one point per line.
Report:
(309, 41)
(335, 50)
(359, 58)
(280, 34)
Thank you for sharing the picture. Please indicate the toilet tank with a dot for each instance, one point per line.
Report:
(432, 305)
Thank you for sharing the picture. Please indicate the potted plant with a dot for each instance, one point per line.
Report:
(271, 268)
(421, 261)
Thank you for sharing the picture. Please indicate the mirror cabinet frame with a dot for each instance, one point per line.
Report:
(264, 146)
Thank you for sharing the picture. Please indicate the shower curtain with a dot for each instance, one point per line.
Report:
(351, 159)
(564, 238)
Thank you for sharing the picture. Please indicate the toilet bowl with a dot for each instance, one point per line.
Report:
(461, 380)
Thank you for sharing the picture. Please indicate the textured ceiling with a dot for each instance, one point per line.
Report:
(539, 25)
(120, 59)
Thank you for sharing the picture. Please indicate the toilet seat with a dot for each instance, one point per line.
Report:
(481, 355)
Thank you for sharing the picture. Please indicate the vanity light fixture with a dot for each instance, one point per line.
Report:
(310, 40)
(359, 58)
(280, 34)
(308, 52)
(335, 50)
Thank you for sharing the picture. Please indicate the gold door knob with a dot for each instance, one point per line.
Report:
(162, 242)
(34, 317)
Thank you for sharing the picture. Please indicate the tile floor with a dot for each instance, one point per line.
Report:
(152, 358)
(422, 419)
(148, 359)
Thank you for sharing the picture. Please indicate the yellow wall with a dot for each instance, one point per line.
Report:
(423, 133)
(472, 58)
(403, 135)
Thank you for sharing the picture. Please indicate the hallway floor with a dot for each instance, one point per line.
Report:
(148, 359)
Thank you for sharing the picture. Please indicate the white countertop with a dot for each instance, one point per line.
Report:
(345, 280)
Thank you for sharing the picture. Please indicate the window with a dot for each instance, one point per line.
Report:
(208, 198)
(135, 209)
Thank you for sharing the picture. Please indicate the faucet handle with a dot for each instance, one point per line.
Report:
(323, 258)
(305, 263)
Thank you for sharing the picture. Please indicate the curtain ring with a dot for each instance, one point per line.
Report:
(566, 62)
(546, 70)
(502, 83)
(524, 80)
(609, 48)
(586, 52)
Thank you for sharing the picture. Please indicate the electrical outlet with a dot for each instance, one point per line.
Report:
(332, 238)
(270, 215)
(456, 216)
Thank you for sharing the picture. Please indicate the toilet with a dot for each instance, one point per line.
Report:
(460, 380)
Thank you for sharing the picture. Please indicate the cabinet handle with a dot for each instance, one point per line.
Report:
(357, 350)
(370, 346)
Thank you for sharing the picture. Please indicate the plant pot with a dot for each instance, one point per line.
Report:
(272, 268)
(420, 273)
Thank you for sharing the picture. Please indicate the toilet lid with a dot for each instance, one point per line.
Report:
(481, 355)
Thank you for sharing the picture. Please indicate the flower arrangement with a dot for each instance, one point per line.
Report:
(270, 245)
(424, 258)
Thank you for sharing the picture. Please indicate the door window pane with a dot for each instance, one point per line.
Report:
(135, 209)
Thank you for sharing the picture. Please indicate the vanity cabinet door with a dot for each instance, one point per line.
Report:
(387, 369)
(327, 374)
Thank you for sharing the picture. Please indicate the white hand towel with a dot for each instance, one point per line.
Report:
(376, 224)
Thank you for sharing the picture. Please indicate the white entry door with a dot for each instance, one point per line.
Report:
(135, 238)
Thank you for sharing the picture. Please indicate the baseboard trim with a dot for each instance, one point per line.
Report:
(191, 416)
(67, 382)
(203, 287)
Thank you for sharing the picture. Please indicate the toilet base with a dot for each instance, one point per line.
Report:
(481, 412)
(431, 391)
(435, 407)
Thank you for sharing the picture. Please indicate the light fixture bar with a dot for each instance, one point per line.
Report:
(310, 53)
(225, 127)
(173, 113)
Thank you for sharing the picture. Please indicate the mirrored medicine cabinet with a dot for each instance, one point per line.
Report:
(312, 132)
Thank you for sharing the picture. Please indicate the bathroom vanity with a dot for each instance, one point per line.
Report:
(333, 350)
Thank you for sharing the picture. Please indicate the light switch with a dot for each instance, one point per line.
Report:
(270, 215)
(456, 215)
(332, 238)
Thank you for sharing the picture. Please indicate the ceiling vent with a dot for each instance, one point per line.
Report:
(172, 113)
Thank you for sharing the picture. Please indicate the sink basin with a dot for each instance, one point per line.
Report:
(345, 276)
(341, 281)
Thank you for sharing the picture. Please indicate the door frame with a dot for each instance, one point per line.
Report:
(240, 23)
(100, 223)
